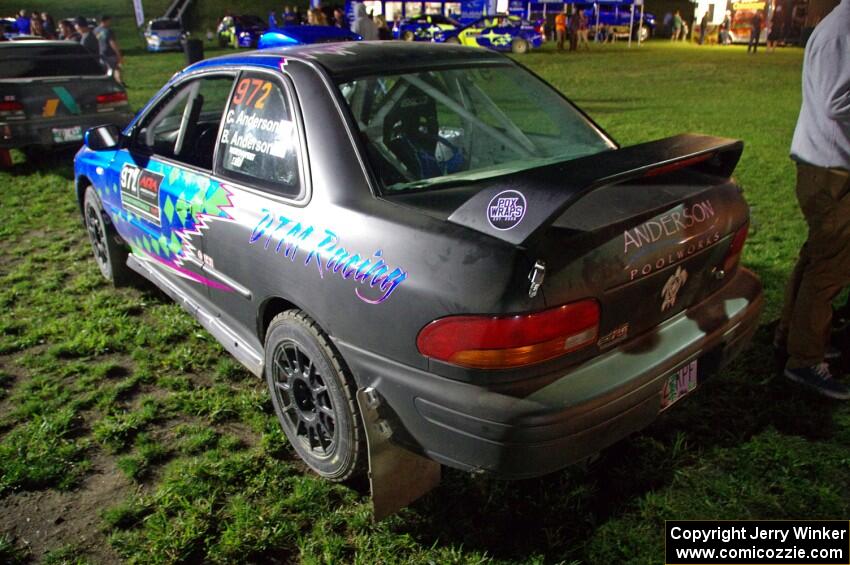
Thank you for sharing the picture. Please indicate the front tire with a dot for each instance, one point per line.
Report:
(313, 397)
(408, 36)
(519, 46)
(109, 253)
(453, 41)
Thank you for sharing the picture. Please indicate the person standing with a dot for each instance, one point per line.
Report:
(363, 25)
(723, 38)
(677, 26)
(582, 30)
(755, 32)
(339, 18)
(22, 23)
(775, 28)
(87, 37)
(108, 48)
(703, 27)
(560, 29)
(36, 27)
(49, 25)
(67, 31)
(821, 150)
(384, 32)
(573, 23)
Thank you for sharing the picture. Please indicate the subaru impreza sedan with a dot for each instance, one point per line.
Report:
(51, 92)
(437, 227)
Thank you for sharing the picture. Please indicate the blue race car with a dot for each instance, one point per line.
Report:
(303, 35)
(241, 31)
(424, 28)
(500, 33)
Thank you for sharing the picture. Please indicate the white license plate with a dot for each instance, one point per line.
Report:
(679, 384)
(63, 135)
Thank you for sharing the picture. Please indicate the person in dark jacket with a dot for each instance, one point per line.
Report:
(703, 27)
(49, 25)
(755, 32)
(87, 37)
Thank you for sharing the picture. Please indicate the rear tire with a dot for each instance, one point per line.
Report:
(519, 46)
(314, 397)
(407, 36)
(109, 252)
(453, 41)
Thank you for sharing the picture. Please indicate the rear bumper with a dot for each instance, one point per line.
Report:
(517, 434)
(39, 131)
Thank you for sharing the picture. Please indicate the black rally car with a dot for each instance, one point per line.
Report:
(430, 247)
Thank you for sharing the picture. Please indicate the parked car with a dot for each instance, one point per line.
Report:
(8, 29)
(164, 35)
(51, 92)
(241, 31)
(499, 33)
(618, 18)
(287, 36)
(424, 28)
(433, 237)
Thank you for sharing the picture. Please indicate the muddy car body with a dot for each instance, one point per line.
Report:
(514, 297)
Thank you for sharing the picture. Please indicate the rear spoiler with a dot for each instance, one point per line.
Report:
(544, 193)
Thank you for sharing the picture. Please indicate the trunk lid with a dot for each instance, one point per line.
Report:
(644, 229)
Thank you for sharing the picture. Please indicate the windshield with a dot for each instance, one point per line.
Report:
(165, 25)
(32, 61)
(431, 129)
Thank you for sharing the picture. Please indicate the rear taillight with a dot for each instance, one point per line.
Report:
(111, 100)
(736, 248)
(11, 109)
(538, 29)
(504, 342)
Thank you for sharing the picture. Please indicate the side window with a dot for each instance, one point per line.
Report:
(259, 144)
(184, 126)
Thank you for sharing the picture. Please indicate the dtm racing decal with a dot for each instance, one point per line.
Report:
(140, 192)
(325, 251)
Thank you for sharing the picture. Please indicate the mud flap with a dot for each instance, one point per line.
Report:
(397, 476)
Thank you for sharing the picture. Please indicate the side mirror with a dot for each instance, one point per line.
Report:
(103, 138)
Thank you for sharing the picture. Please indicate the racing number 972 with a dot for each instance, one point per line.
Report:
(250, 87)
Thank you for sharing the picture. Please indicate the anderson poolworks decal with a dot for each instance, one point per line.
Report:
(506, 210)
(140, 192)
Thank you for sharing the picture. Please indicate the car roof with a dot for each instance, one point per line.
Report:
(37, 42)
(361, 58)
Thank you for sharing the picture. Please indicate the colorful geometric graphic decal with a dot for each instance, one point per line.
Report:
(188, 201)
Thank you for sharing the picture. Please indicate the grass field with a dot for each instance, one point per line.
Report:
(127, 433)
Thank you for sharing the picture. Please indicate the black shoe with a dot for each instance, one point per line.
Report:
(820, 379)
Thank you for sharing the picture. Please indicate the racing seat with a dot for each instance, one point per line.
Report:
(411, 133)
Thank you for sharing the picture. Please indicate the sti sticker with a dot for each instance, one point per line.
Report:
(506, 210)
(140, 192)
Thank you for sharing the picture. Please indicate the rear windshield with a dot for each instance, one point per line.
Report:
(164, 24)
(432, 129)
(34, 61)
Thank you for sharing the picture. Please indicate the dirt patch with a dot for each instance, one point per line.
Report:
(47, 520)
